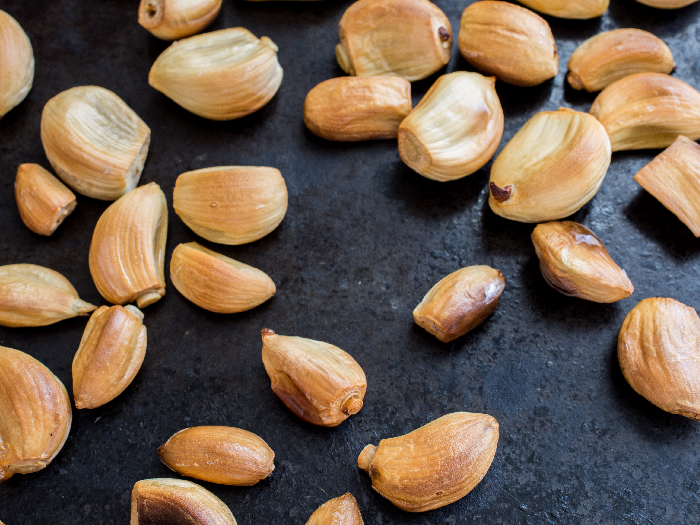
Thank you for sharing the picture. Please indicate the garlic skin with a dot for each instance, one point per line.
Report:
(578, 9)
(42, 200)
(455, 129)
(338, 511)
(175, 19)
(16, 63)
(667, 4)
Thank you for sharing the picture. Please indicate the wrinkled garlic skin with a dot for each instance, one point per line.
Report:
(16, 63)
(317, 381)
(658, 352)
(460, 302)
(350, 109)
(338, 511)
(550, 168)
(175, 19)
(175, 501)
(434, 465)
(667, 4)
(224, 455)
(455, 129)
(674, 179)
(128, 245)
(95, 143)
(110, 355)
(42, 200)
(508, 41)
(231, 204)
(575, 262)
(574, 9)
(404, 38)
(36, 414)
(648, 110)
(221, 75)
(32, 295)
(612, 55)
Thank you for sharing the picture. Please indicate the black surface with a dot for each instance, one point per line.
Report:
(363, 241)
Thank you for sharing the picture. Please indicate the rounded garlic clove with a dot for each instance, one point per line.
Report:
(175, 19)
(667, 4)
(574, 9)
(338, 511)
(16, 63)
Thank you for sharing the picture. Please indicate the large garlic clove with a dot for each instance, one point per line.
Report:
(342, 510)
(667, 4)
(175, 19)
(128, 245)
(576, 9)
(221, 75)
(455, 129)
(317, 381)
(550, 168)
(16, 63)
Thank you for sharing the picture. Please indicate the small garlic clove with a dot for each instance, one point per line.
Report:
(16, 63)
(667, 4)
(175, 19)
(578, 9)
(338, 511)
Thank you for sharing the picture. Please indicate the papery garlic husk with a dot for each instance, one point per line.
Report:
(221, 75)
(648, 110)
(175, 19)
(575, 9)
(434, 465)
(170, 501)
(338, 511)
(508, 41)
(16, 63)
(550, 168)
(224, 455)
(612, 55)
(231, 204)
(658, 352)
(128, 245)
(110, 355)
(95, 143)
(575, 262)
(455, 129)
(32, 295)
(460, 302)
(43, 201)
(317, 381)
(350, 109)
(667, 4)
(36, 414)
(404, 38)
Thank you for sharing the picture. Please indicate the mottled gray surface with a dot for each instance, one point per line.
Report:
(363, 241)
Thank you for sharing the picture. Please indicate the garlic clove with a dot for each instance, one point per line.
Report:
(578, 9)
(16, 63)
(667, 4)
(338, 511)
(42, 200)
(175, 19)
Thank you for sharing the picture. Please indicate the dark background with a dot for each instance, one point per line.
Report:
(364, 239)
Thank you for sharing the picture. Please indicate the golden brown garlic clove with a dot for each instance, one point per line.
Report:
(667, 4)
(338, 511)
(175, 19)
(42, 200)
(575, 9)
(16, 63)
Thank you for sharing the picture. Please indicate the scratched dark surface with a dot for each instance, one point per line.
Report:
(363, 241)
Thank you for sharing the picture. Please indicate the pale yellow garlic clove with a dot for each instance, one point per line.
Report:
(667, 4)
(221, 75)
(405, 38)
(16, 63)
(455, 129)
(576, 9)
(42, 200)
(338, 511)
(175, 19)
(317, 381)
(550, 168)
(36, 414)
(128, 245)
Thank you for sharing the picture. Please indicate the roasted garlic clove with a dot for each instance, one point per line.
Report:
(36, 414)
(164, 500)
(612, 55)
(16, 63)
(460, 302)
(658, 352)
(95, 143)
(648, 110)
(358, 108)
(434, 465)
(317, 381)
(175, 19)
(576, 9)
(667, 4)
(221, 75)
(128, 245)
(42, 200)
(550, 168)
(574, 261)
(508, 41)
(225, 455)
(455, 129)
(338, 511)
(404, 38)
(231, 204)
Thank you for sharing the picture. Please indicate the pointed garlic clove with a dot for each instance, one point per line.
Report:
(508, 41)
(578, 9)
(434, 465)
(404, 38)
(128, 245)
(338, 511)
(175, 19)
(231, 204)
(36, 414)
(550, 168)
(16, 63)
(42, 200)
(171, 501)
(225, 455)
(221, 75)
(317, 381)
(455, 129)
(667, 4)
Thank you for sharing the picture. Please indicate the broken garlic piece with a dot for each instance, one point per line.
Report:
(43, 201)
